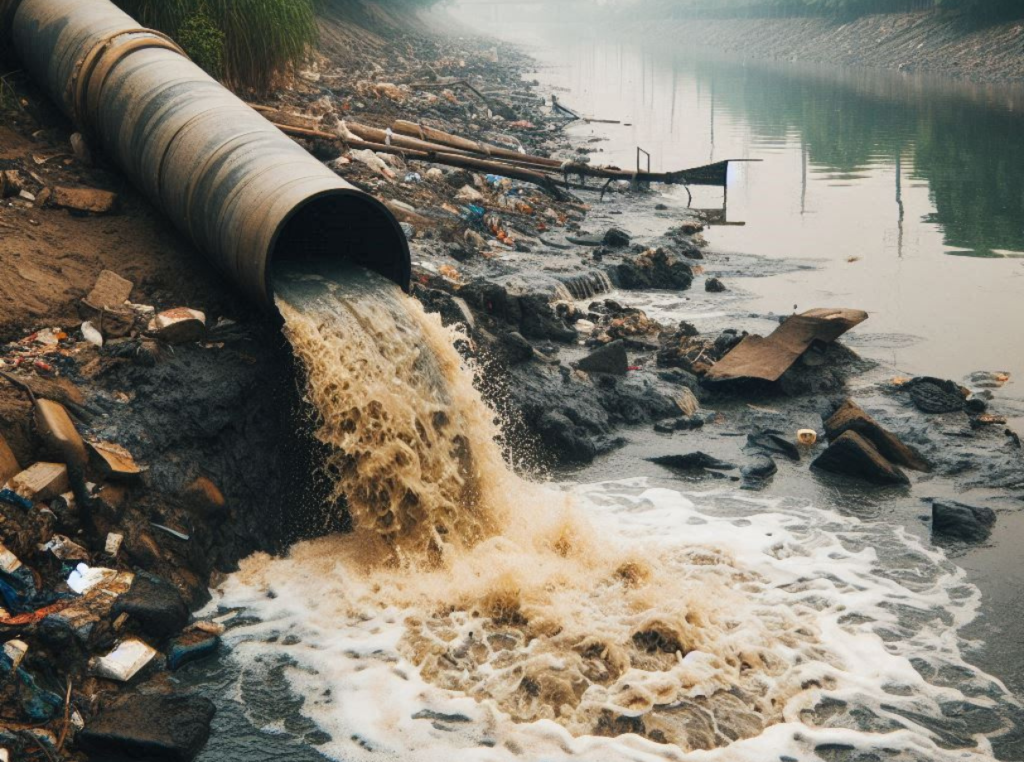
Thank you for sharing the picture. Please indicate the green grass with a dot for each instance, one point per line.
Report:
(248, 44)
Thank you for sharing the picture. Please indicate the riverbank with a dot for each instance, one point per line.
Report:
(926, 42)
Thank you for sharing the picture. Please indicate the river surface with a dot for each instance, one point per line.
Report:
(899, 196)
(906, 195)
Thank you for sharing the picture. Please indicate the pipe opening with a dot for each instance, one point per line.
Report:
(344, 224)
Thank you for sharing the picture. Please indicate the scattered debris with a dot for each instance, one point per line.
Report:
(110, 292)
(807, 437)
(59, 434)
(125, 661)
(850, 454)
(693, 461)
(84, 199)
(773, 441)
(9, 466)
(41, 482)
(114, 462)
(178, 326)
(768, 358)
(850, 417)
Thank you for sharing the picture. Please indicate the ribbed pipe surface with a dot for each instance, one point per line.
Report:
(232, 182)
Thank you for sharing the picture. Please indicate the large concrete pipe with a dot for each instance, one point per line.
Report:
(242, 191)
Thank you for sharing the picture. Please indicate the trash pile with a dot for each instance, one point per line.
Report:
(83, 605)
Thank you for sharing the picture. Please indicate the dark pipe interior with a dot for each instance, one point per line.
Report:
(347, 225)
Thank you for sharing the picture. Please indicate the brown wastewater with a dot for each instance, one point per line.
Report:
(474, 614)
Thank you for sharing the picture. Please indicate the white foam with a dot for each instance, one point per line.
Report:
(776, 565)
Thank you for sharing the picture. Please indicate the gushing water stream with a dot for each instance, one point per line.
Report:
(474, 615)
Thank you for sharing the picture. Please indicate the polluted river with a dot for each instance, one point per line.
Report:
(616, 612)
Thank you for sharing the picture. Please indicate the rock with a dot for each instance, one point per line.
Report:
(9, 466)
(616, 238)
(155, 604)
(975, 405)
(84, 199)
(61, 438)
(773, 441)
(566, 438)
(150, 727)
(178, 326)
(850, 417)
(516, 348)
(80, 147)
(692, 461)
(959, 521)
(760, 468)
(610, 358)
(190, 646)
(933, 395)
(110, 292)
(114, 462)
(41, 482)
(714, 286)
(665, 427)
(654, 269)
(851, 454)
(689, 422)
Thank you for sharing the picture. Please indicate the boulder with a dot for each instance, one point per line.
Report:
(150, 727)
(759, 469)
(610, 358)
(567, 439)
(850, 417)
(155, 604)
(714, 286)
(515, 347)
(933, 395)
(959, 521)
(851, 454)
(616, 238)
(654, 269)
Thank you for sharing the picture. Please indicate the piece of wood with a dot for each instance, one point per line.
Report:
(768, 358)
(89, 200)
(58, 432)
(110, 292)
(9, 466)
(41, 482)
(412, 129)
(114, 462)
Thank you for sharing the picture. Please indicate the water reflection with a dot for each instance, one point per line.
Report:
(969, 151)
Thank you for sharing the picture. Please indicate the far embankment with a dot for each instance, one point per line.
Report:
(925, 42)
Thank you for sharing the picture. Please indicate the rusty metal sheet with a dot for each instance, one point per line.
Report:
(767, 358)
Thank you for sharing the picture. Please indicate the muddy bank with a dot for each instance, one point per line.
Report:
(927, 43)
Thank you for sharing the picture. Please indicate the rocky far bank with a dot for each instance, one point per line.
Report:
(158, 451)
(924, 42)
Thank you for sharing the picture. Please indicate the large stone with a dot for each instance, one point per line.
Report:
(155, 604)
(616, 238)
(654, 269)
(851, 454)
(934, 395)
(851, 417)
(959, 521)
(610, 358)
(149, 727)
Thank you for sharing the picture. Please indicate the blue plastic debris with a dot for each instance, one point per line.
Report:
(37, 704)
(473, 213)
(11, 497)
